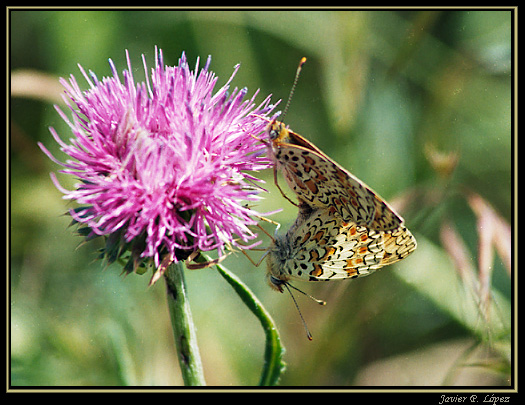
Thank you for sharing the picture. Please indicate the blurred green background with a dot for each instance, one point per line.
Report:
(416, 103)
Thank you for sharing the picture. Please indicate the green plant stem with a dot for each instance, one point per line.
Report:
(183, 327)
(274, 351)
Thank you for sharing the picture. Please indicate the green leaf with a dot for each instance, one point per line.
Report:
(274, 350)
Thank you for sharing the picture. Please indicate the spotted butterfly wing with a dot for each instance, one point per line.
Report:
(321, 245)
(320, 182)
(398, 244)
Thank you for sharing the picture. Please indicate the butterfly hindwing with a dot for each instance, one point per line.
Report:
(398, 245)
(320, 245)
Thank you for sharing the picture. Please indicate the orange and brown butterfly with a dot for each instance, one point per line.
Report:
(319, 181)
(321, 246)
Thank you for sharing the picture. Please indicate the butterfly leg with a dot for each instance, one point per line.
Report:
(267, 250)
(256, 264)
(166, 261)
(280, 189)
(203, 265)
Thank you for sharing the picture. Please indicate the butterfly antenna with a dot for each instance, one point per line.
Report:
(308, 334)
(299, 68)
(320, 302)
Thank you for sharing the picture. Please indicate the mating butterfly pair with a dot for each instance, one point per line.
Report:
(343, 229)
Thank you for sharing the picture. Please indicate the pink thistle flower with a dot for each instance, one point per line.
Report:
(163, 165)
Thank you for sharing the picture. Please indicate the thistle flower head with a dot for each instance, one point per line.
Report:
(163, 165)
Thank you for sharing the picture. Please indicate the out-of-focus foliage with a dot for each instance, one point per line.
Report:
(416, 103)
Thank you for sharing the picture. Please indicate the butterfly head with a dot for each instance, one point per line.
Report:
(276, 283)
(277, 131)
(275, 277)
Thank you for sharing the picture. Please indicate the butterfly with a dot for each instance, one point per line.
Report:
(319, 181)
(343, 230)
(322, 246)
